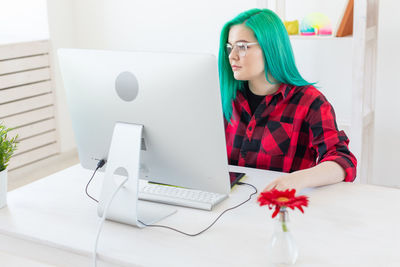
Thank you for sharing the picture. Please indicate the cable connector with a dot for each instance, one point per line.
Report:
(101, 163)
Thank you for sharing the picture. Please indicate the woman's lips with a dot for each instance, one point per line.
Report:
(234, 67)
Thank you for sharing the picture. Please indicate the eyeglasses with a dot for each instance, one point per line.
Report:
(241, 46)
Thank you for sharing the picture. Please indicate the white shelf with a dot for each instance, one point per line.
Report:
(319, 37)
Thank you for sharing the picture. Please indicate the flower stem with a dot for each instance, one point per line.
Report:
(283, 214)
(284, 227)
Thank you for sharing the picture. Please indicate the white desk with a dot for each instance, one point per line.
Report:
(52, 221)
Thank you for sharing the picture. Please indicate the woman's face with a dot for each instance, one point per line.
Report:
(250, 66)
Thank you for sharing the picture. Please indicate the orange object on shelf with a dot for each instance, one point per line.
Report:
(346, 24)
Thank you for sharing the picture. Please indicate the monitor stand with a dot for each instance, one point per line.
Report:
(123, 161)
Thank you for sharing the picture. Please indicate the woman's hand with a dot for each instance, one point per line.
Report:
(289, 181)
(328, 172)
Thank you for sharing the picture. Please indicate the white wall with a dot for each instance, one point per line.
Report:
(175, 25)
(23, 20)
(62, 34)
(387, 126)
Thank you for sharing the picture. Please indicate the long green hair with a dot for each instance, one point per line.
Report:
(274, 41)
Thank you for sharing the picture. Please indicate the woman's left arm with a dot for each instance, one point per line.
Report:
(335, 162)
(328, 172)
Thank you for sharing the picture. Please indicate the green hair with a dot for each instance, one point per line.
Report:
(274, 41)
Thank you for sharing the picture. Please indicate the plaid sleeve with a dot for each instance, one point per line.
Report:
(329, 143)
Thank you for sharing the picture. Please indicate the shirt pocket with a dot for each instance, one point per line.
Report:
(276, 138)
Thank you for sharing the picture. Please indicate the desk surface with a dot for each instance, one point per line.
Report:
(345, 224)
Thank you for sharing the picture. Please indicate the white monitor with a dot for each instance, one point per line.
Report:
(175, 96)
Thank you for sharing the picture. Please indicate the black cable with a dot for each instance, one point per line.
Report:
(102, 162)
(99, 165)
(202, 231)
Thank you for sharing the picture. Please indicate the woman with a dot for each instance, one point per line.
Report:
(274, 119)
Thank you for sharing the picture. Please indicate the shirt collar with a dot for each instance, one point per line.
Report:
(284, 89)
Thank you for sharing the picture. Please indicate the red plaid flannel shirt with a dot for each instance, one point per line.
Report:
(292, 129)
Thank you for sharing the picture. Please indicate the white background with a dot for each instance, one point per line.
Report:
(23, 20)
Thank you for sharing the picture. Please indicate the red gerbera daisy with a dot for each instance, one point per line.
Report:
(278, 199)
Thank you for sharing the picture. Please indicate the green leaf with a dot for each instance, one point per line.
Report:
(7, 146)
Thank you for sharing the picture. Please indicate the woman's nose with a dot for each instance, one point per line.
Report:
(234, 54)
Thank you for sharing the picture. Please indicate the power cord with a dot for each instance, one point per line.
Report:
(103, 219)
(202, 231)
(101, 164)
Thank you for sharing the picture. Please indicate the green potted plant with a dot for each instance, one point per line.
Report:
(7, 148)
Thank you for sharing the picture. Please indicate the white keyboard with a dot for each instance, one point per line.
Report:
(180, 196)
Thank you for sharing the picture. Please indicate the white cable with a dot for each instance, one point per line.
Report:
(103, 218)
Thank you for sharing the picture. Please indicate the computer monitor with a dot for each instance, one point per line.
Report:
(174, 96)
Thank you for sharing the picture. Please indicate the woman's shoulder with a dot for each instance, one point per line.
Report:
(307, 94)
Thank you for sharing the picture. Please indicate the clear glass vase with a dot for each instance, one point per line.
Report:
(282, 249)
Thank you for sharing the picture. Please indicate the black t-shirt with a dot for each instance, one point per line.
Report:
(254, 100)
